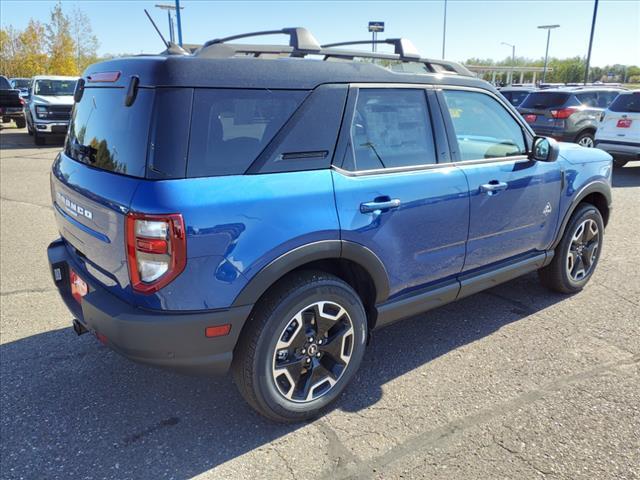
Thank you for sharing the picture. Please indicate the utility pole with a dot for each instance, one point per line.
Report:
(548, 28)
(513, 61)
(593, 27)
(444, 29)
(178, 8)
(169, 8)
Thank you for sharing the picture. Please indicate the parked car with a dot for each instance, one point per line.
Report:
(220, 210)
(619, 129)
(568, 114)
(22, 84)
(516, 95)
(11, 104)
(49, 106)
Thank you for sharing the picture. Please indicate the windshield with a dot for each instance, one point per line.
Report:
(21, 83)
(543, 100)
(54, 87)
(626, 102)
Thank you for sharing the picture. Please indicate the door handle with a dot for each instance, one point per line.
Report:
(493, 187)
(379, 205)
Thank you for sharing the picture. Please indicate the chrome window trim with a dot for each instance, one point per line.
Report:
(431, 166)
(428, 166)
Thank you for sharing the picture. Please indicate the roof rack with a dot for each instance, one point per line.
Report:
(303, 43)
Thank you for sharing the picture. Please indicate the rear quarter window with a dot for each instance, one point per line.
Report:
(230, 127)
(626, 102)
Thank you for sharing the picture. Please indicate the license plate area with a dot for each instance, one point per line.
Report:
(79, 287)
(624, 123)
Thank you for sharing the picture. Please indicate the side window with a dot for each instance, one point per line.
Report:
(588, 99)
(391, 128)
(605, 98)
(231, 127)
(483, 127)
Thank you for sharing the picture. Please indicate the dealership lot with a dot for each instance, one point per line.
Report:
(515, 382)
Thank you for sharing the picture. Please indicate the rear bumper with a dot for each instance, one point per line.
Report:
(627, 150)
(172, 340)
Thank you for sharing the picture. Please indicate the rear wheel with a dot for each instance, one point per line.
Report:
(302, 345)
(20, 122)
(586, 139)
(577, 254)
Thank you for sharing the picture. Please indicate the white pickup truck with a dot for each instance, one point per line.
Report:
(49, 105)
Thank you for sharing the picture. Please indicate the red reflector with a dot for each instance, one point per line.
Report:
(102, 338)
(217, 331)
(624, 123)
(78, 286)
(530, 118)
(151, 245)
(104, 77)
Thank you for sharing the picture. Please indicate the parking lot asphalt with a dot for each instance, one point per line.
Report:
(515, 382)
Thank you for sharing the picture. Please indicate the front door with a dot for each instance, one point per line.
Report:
(393, 196)
(514, 201)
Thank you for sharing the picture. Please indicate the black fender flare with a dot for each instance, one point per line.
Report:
(598, 186)
(311, 252)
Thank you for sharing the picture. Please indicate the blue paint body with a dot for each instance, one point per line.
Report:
(236, 225)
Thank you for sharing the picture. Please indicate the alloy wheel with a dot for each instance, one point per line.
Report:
(313, 352)
(586, 141)
(583, 250)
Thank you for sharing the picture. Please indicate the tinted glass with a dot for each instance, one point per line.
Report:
(54, 87)
(21, 83)
(588, 99)
(515, 97)
(107, 135)
(542, 100)
(483, 127)
(605, 98)
(229, 128)
(391, 128)
(4, 83)
(626, 102)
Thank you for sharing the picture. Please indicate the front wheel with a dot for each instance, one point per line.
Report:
(302, 345)
(577, 254)
(38, 139)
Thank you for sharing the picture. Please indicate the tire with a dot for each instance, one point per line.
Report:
(566, 275)
(29, 128)
(619, 163)
(38, 139)
(273, 336)
(586, 139)
(21, 122)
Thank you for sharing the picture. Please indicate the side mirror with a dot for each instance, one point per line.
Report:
(544, 150)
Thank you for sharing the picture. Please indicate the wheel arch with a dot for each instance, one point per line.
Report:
(589, 129)
(596, 193)
(352, 262)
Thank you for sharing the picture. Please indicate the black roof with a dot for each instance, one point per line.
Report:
(248, 72)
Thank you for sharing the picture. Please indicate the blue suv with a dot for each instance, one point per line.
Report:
(264, 208)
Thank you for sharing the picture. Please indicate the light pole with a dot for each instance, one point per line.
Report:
(444, 28)
(169, 9)
(513, 60)
(593, 27)
(548, 28)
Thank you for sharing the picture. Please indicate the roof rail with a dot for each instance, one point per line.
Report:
(402, 47)
(300, 38)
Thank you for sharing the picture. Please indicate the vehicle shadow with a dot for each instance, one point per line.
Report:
(627, 176)
(73, 408)
(13, 138)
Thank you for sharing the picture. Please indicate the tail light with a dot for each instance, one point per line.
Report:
(563, 113)
(156, 250)
(21, 101)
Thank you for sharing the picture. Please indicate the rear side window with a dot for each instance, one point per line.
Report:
(605, 98)
(543, 100)
(483, 127)
(588, 99)
(626, 102)
(105, 134)
(515, 97)
(230, 127)
(391, 128)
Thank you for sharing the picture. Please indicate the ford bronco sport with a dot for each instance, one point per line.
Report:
(263, 208)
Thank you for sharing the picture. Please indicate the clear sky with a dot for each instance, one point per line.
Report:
(475, 28)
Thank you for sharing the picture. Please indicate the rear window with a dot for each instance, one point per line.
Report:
(4, 84)
(542, 100)
(105, 134)
(230, 127)
(515, 97)
(626, 102)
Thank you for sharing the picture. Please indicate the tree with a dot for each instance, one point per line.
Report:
(31, 50)
(8, 51)
(60, 45)
(86, 43)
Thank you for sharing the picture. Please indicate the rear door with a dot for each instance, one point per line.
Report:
(514, 201)
(396, 193)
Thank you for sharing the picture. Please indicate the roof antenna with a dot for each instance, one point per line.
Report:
(167, 44)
